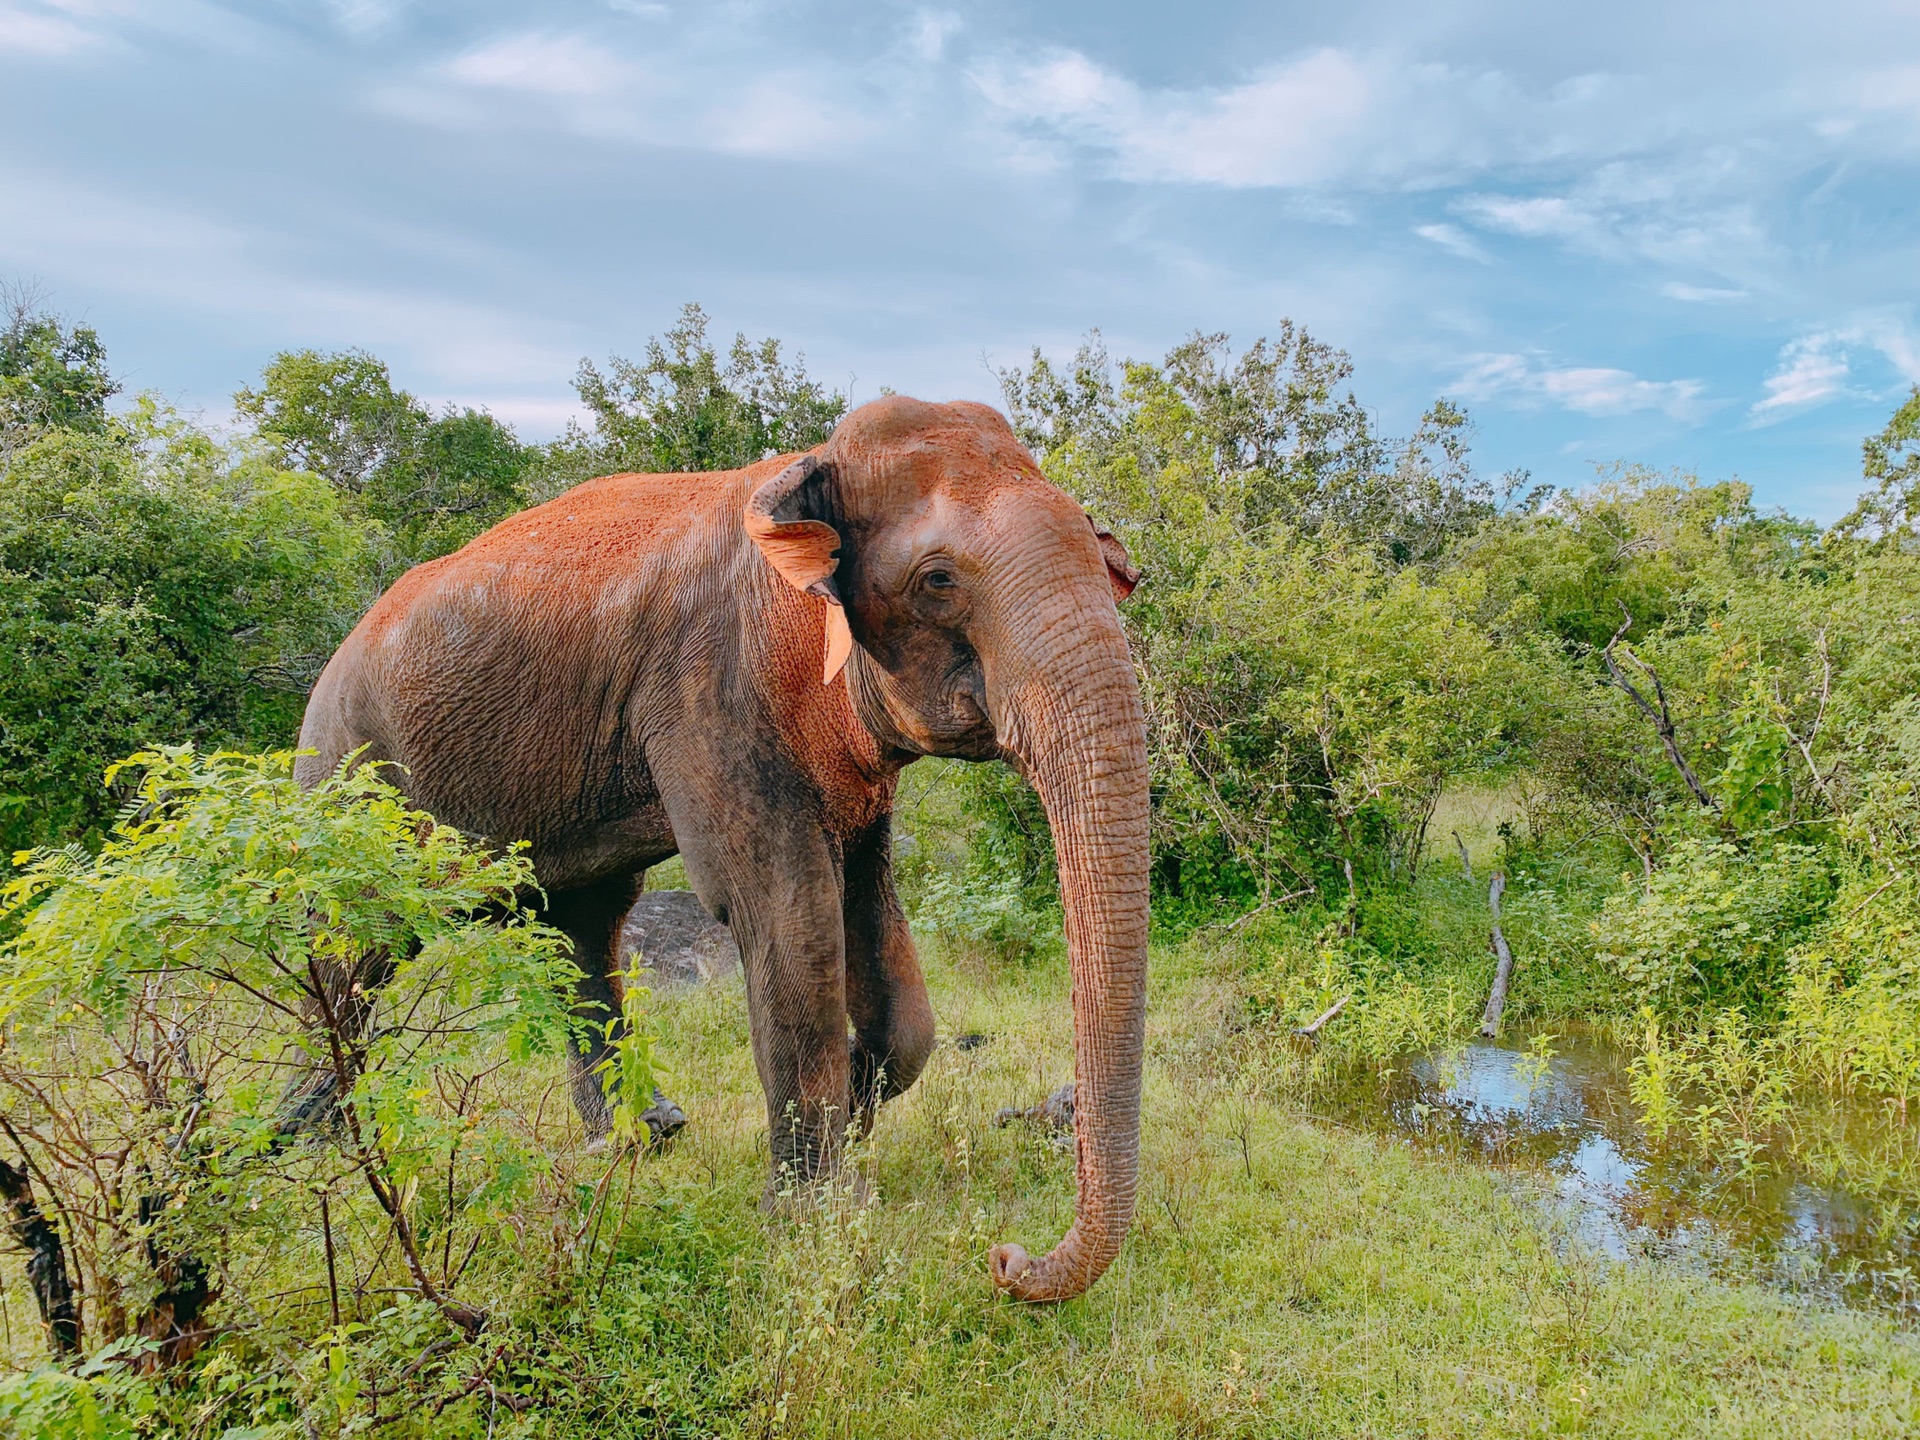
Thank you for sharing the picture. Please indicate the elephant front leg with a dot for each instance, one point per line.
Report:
(893, 1031)
(796, 1005)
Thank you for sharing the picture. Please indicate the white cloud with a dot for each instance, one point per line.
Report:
(1531, 217)
(931, 31)
(41, 30)
(1701, 294)
(1454, 241)
(1816, 367)
(1290, 125)
(564, 65)
(1811, 370)
(1590, 390)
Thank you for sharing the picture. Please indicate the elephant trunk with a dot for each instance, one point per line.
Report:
(1081, 738)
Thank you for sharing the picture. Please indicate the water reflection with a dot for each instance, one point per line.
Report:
(1571, 1116)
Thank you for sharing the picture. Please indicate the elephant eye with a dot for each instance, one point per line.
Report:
(939, 580)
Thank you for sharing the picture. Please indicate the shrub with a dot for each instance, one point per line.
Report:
(239, 953)
(1715, 924)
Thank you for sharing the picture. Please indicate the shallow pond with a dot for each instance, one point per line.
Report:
(1830, 1208)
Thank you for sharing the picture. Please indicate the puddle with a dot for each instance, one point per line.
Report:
(1571, 1118)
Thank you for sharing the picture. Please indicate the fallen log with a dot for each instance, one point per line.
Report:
(1503, 972)
(1312, 1030)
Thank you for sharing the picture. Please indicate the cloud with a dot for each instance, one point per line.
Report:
(1289, 125)
(1454, 241)
(1816, 367)
(1701, 294)
(566, 65)
(42, 30)
(1531, 216)
(1590, 390)
(931, 31)
(579, 86)
(1811, 370)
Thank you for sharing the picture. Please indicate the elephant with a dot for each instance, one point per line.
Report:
(735, 667)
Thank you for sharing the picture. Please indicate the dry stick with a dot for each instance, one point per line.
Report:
(1662, 719)
(1503, 973)
(1466, 860)
(333, 1282)
(1312, 1031)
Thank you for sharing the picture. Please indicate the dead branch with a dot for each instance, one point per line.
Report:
(1662, 717)
(1503, 972)
(1311, 1030)
(1466, 860)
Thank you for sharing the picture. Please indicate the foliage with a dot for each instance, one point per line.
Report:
(1888, 515)
(686, 408)
(240, 952)
(52, 375)
(432, 482)
(1356, 1305)
(156, 588)
(1715, 925)
(1309, 684)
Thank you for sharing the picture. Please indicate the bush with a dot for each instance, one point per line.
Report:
(1715, 924)
(242, 952)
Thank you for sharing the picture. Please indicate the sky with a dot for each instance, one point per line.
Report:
(1684, 235)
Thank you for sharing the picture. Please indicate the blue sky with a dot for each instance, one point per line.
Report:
(1687, 235)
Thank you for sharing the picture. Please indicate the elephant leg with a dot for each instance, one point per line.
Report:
(590, 917)
(886, 993)
(311, 1098)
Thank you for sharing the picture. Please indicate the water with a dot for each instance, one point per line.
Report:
(1783, 1219)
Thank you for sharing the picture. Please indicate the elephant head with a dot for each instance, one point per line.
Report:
(971, 605)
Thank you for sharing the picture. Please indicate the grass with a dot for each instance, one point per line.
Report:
(1285, 1278)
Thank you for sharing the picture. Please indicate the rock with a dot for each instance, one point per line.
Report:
(972, 1040)
(1055, 1112)
(680, 945)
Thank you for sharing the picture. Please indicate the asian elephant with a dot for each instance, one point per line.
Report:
(736, 667)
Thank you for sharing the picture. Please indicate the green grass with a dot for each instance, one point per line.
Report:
(1284, 1278)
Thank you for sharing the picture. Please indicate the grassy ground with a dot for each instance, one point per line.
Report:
(1284, 1278)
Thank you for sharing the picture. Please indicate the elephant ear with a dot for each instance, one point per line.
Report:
(802, 548)
(1122, 574)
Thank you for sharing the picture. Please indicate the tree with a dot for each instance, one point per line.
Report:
(154, 588)
(161, 998)
(1890, 512)
(685, 408)
(433, 482)
(1262, 440)
(52, 375)
(1309, 685)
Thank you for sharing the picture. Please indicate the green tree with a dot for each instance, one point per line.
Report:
(432, 482)
(1889, 513)
(154, 588)
(220, 951)
(52, 375)
(685, 407)
(1309, 684)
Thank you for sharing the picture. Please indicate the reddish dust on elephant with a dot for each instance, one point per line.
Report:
(736, 667)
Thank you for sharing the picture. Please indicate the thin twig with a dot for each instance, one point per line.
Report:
(1662, 718)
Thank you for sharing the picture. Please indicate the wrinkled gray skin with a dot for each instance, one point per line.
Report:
(636, 668)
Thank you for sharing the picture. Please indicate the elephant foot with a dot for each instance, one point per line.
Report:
(664, 1120)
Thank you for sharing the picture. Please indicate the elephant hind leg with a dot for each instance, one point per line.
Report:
(590, 917)
(893, 1031)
